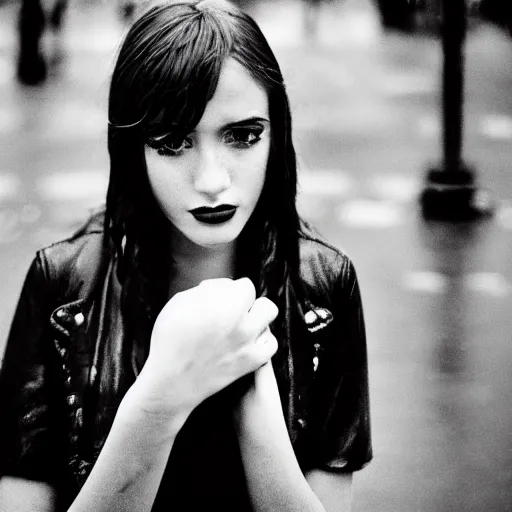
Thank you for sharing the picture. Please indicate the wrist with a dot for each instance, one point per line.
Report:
(140, 409)
(260, 407)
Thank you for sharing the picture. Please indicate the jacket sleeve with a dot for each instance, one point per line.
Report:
(31, 444)
(340, 412)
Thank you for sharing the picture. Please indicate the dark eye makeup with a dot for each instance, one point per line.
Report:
(169, 145)
(243, 136)
(240, 135)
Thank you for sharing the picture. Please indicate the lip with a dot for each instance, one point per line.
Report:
(215, 215)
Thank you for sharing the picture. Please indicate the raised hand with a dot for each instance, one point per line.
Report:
(204, 339)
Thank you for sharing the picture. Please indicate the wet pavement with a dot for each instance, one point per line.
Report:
(437, 296)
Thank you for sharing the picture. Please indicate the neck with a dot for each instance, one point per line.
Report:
(193, 264)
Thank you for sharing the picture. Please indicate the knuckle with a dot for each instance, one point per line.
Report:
(215, 283)
(245, 281)
(246, 285)
(268, 306)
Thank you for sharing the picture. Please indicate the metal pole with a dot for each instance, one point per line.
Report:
(31, 67)
(454, 34)
(450, 192)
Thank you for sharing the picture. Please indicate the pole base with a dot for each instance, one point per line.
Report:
(451, 195)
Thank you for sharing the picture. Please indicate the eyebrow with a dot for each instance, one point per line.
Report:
(228, 126)
(245, 122)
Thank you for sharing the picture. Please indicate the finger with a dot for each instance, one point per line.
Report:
(254, 355)
(245, 293)
(263, 350)
(261, 314)
(215, 281)
(263, 337)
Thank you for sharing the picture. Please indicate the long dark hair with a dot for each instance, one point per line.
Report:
(166, 72)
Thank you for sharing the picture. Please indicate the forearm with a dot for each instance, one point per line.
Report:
(274, 478)
(129, 469)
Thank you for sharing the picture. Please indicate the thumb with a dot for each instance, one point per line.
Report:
(261, 314)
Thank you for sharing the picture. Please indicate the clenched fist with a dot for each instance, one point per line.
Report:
(204, 339)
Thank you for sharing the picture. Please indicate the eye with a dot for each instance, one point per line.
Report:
(169, 145)
(244, 136)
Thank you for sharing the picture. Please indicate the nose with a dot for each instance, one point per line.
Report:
(212, 176)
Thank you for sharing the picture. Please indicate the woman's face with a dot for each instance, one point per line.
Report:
(208, 184)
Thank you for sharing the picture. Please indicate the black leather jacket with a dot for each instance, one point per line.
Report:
(68, 363)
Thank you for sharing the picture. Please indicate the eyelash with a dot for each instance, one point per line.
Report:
(252, 136)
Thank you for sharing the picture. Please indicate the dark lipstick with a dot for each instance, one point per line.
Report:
(217, 215)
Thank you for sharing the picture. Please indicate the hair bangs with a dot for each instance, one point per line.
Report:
(185, 73)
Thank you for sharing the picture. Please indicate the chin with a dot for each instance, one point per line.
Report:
(215, 236)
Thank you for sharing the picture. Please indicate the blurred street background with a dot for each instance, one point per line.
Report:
(365, 92)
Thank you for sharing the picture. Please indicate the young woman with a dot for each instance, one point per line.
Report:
(192, 347)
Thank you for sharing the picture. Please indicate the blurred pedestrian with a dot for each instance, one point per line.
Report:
(31, 65)
(194, 346)
(36, 17)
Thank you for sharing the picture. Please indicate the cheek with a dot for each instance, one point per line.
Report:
(252, 174)
(164, 182)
